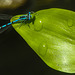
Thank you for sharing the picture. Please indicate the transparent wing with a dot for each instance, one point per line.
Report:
(5, 16)
(5, 29)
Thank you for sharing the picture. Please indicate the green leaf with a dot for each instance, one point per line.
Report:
(51, 34)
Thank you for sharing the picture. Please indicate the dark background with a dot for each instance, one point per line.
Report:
(16, 57)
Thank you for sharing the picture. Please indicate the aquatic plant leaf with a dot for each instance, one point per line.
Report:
(51, 34)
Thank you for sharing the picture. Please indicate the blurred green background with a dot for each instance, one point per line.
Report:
(16, 57)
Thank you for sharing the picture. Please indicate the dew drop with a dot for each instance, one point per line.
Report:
(38, 25)
(42, 50)
(70, 23)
